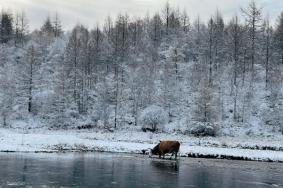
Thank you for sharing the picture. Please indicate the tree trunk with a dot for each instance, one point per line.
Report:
(116, 95)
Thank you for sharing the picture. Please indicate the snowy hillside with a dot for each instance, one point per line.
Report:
(163, 74)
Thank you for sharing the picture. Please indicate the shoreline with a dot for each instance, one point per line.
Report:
(131, 142)
(190, 155)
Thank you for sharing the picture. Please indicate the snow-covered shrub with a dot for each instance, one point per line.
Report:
(203, 129)
(153, 118)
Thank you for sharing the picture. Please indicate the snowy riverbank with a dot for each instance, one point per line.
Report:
(259, 149)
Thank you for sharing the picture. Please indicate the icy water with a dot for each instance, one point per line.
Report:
(130, 171)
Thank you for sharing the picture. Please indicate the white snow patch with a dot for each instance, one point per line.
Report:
(133, 142)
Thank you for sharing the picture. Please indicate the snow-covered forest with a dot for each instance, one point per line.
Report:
(163, 73)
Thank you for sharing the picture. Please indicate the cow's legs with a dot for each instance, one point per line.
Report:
(163, 155)
(172, 155)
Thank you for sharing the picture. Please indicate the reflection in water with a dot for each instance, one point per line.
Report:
(166, 166)
(108, 170)
(24, 170)
(164, 172)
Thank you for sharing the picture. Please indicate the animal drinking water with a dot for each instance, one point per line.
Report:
(165, 147)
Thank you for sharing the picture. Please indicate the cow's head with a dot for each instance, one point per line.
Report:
(154, 151)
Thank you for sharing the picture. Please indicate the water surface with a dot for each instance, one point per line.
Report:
(128, 171)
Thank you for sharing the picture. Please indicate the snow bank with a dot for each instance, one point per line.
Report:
(134, 142)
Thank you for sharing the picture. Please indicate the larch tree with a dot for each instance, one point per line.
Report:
(267, 48)
(121, 48)
(166, 18)
(279, 37)
(234, 32)
(253, 19)
(47, 29)
(7, 85)
(21, 29)
(219, 50)
(71, 63)
(30, 76)
(210, 50)
(57, 26)
(185, 21)
(6, 27)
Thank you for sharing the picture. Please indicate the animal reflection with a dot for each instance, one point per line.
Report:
(166, 166)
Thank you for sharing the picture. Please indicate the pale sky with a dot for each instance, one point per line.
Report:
(91, 12)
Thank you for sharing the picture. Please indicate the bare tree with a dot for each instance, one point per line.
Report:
(57, 26)
(166, 13)
(267, 35)
(210, 46)
(21, 29)
(185, 21)
(234, 33)
(253, 19)
(279, 37)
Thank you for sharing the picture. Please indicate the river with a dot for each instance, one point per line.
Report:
(133, 171)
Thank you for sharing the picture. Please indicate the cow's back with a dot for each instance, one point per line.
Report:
(169, 146)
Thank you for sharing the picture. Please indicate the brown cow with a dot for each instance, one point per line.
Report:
(165, 147)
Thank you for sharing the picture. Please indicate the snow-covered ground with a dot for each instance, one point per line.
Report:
(261, 149)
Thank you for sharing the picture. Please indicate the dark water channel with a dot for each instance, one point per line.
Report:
(133, 171)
